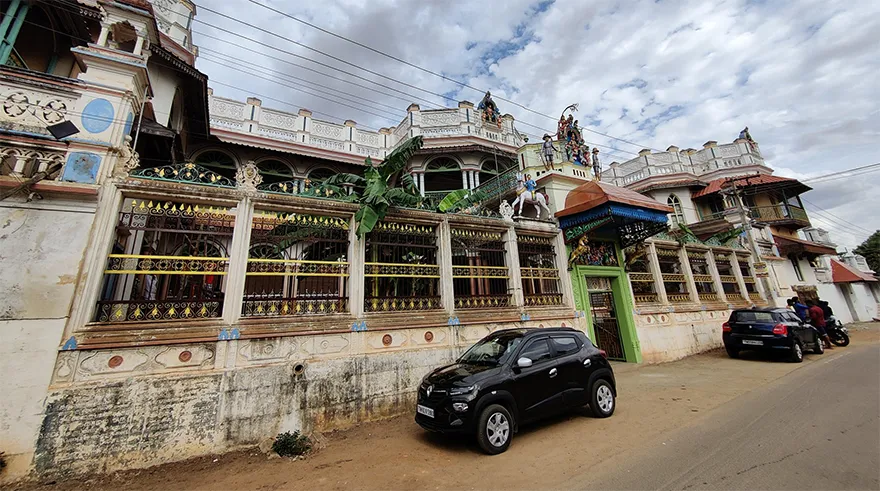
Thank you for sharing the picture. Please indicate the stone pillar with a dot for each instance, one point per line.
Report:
(356, 280)
(716, 277)
(476, 179)
(304, 127)
(514, 282)
(252, 114)
(734, 263)
(421, 176)
(654, 267)
(350, 127)
(562, 267)
(139, 44)
(444, 260)
(464, 180)
(105, 33)
(688, 274)
(238, 255)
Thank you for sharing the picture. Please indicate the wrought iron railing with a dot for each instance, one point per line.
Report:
(543, 299)
(777, 213)
(402, 304)
(644, 298)
(188, 173)
(499, 185)
(482, 301)
(679, 298)
(146, 310)
(273, 304)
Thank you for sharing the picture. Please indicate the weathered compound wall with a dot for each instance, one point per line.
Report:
(669, 336)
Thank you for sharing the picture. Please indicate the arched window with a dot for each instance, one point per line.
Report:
(275, 171)
(217, 161)
(442, 174)
(321, 174)
(677, 216)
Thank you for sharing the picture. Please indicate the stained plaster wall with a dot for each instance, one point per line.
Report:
(41, 246)
(669, 336)
(233, 393)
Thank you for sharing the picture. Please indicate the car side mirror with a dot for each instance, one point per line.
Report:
(524, 362)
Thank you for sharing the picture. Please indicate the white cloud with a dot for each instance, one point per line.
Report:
(802, 74)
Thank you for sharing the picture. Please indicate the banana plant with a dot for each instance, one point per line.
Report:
(461, 200)
(382, 186)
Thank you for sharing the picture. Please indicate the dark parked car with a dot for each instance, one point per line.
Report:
(513, 377)
(770, 330)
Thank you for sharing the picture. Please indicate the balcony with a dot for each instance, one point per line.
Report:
(781, 214)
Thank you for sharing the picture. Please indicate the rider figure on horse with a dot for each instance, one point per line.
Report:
(530, 185)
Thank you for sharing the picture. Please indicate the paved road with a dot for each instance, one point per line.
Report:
(816, 428)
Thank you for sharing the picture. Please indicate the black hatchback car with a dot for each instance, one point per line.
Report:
(513, 377)
(770, 330)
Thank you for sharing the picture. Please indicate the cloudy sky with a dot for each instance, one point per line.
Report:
(803, 75)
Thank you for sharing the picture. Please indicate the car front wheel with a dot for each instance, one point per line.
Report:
(797, 353)
(495, 429)
(602, 399)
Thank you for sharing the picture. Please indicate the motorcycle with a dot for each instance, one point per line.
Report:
(836, 331)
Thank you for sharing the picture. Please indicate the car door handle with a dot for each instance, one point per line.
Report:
(587, 362)
(553, 372)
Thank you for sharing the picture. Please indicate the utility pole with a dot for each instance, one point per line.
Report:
(747, 226)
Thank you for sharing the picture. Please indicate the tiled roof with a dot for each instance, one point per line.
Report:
(788, 245)
(595, 193)
(744, 181)
(844, 273)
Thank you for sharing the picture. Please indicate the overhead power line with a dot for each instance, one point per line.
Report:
(431, 72)
(846, 171)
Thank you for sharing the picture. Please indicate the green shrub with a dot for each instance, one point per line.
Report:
(289, 444)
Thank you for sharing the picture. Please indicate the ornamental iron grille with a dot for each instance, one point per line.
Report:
(401, 271)
(297, 265)
(168, 262)
(188, 173)
(748, 278)
(540, 276)
(703, 280)
(727, 274)
(479, 269)
(674, 281)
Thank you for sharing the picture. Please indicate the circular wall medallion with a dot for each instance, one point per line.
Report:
(115, 361)
(540, 325)
(386, 340)
(429, 336)
(185, 356)
(97, 115)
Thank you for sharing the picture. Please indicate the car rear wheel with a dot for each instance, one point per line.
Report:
(732, 352)
(495, 429)
(797, 353)
(602, 400)
(819, 346)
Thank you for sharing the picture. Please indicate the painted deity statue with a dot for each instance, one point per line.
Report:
(490, 110)
(526, 193)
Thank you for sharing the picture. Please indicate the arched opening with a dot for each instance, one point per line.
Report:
(123, 37)
(442, 174)
(217, 161)
(493, 166)
(275, 171)
(320, 174)
(36, 42)
(677, 215)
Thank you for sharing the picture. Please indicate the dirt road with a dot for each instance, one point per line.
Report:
(653, 401)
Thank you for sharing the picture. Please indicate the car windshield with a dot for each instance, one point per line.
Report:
(747, 316)
(493, 350)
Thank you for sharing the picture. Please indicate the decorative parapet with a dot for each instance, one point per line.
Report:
(674, 161)
(302, 129)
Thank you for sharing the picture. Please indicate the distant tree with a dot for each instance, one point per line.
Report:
(870, 248)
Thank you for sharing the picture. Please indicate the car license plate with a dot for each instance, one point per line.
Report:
(753, 343)
(425, 410)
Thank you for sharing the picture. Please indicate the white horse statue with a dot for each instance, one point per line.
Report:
(523, 196)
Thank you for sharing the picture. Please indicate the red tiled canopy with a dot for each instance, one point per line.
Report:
(843, 273)
(595, 193)
(789, 245)
(750, 181)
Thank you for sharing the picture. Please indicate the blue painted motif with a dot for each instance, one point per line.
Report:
(128, 123)
(97, 116)
(70, 345)
(82, 167)
(525, 317)
(453, 321)
(359, 326)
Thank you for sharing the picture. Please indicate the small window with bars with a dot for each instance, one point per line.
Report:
(703, 280)
(540, 276)
(479, 269)
(168, 262)
(297, 265)
(727, 274)
(401, 271)
(674, 281)
(748, 278)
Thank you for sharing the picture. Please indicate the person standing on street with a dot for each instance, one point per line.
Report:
(817, 319)
(800, 309)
